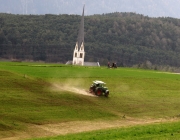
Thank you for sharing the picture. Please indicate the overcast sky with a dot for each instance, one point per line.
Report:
(152, 8)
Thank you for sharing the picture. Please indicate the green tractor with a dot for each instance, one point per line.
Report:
(98, 88)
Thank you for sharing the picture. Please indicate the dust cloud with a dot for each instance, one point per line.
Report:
(73, 89)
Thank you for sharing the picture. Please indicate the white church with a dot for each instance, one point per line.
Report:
(79, 51)
(79, 54)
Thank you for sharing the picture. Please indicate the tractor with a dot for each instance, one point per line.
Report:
(98, 88)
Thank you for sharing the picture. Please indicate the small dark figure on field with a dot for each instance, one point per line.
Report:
(109, 65)
(114, 65)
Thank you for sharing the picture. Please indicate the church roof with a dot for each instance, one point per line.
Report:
(80, 38)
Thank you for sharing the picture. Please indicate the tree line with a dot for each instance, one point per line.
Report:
(125, 38)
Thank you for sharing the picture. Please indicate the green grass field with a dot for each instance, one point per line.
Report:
(28, 96)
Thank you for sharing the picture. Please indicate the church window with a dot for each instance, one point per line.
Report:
(81, 55)
(75, 54)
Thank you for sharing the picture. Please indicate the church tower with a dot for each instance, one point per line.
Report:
(79, 53)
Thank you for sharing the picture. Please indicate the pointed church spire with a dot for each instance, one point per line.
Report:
(80, 38)
(79, 52)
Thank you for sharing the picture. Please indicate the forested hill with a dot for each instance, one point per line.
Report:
(125, 38)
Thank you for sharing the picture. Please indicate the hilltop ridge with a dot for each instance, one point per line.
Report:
(152, 8)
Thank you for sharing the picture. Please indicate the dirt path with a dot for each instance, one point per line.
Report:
(75, 90)
(35, 131)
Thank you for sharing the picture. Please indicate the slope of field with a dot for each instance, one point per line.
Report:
(35, 96)
(161, 131)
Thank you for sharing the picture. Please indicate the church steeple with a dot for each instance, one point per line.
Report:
(79, 53)
(80, 38)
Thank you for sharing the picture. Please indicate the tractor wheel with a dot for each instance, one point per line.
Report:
(98, 92)
(106, 93)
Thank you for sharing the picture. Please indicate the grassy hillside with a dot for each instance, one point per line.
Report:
(31, 93)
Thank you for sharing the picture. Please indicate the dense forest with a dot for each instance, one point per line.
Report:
(125, 38)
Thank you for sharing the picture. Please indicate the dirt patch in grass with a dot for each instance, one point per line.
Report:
(48, 130)
(73, 89)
